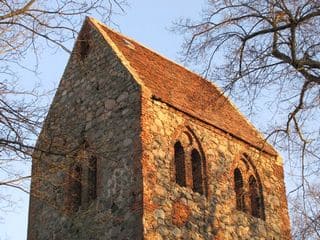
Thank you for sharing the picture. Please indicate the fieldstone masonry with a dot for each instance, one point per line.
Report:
(109, 109)
(180, 213)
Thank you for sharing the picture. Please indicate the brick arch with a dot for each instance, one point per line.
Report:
(175, 137)
(256, 175)
(238, 188)
(204, 160)
(195, 166)
(256, 203)
(197, 172)
(252, 186)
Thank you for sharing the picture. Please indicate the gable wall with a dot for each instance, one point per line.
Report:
(98, 105)
(175, 212)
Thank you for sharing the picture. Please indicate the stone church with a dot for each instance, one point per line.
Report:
(136, 146)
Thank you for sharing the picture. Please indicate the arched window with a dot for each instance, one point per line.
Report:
(92, 178)
(75, 187)
(255, 198)
(189, 162)
(179, 161)
(238, 187)
(197, 171)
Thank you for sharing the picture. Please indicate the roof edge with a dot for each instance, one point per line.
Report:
(97, 25)
(263, 142)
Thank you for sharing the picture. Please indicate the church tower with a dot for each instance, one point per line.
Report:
(136, 146)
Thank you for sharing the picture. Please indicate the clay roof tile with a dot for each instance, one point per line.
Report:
(183, 89)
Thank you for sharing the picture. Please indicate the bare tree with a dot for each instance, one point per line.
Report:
(306, 215)
(27, 27)
(267, 55)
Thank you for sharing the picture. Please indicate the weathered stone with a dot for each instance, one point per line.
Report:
(180, 213)
(110, 104)
(122, 97)
(81, 121)
(127, 142)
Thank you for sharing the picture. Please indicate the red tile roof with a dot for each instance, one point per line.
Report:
(183, 89)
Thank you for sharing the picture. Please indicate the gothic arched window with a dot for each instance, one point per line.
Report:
(197, 171)
(238, 188)
(179, 161)
(189, 162)
(248, 188)
(256, 202)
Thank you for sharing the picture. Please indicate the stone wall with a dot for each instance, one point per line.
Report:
(96, 111)
(175, 212)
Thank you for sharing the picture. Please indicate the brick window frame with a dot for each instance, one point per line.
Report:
(239, 190)
(197, 175)
(249, 196)
(194, 161)
(179, 164)
(256, 203)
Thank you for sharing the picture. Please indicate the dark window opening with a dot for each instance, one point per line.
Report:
(238, 187)
(92, 179)
(83, 44)
(75, 187)
(197, 171)
(255, 198)
(179, 161)
(84, 48)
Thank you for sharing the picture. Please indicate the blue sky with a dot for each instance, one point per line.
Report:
(145, 21)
